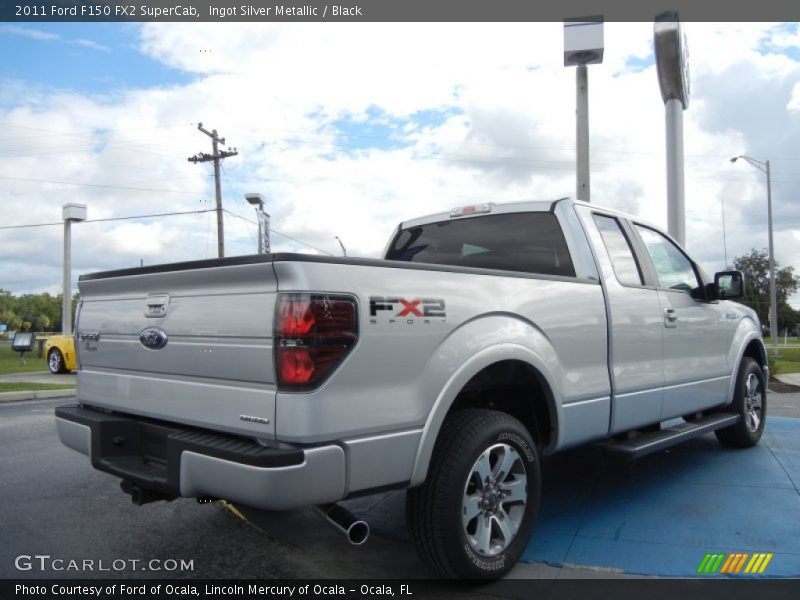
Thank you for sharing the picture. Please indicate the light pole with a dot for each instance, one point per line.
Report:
(257, 202)
(724, 234)
(583, 45)
(773, 292)
(71, 213)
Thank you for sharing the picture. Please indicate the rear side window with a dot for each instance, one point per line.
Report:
(524, 242)
(619, 250)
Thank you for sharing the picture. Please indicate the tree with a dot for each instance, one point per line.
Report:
(42, 322)
(755, 267)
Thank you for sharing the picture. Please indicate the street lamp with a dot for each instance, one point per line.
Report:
(71, 213)
(257, 202)
(773, 293)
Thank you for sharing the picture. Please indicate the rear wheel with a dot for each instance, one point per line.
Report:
(750, 403)
(473, 516)
(55, 361)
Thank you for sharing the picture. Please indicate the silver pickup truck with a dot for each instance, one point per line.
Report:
(486, 338)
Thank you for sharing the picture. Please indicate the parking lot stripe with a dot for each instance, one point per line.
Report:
(232, 509)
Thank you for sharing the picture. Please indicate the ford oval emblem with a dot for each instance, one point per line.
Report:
(153, 338)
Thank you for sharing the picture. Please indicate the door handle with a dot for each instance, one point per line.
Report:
(670, 317)
(156, 305)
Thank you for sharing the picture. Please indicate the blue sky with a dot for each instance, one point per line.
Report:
(90, 58)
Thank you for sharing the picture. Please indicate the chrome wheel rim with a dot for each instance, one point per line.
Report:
(753, 411)
(54, 361)
(494, 500)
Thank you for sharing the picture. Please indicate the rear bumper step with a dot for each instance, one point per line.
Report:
(647, 443)
(177, 461)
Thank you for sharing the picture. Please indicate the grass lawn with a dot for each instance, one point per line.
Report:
(9, 361)
(788, 360)
(27, 387)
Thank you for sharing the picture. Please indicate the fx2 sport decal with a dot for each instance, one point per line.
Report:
(407, 310)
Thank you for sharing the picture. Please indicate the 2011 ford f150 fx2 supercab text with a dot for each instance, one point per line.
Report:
(486, 338)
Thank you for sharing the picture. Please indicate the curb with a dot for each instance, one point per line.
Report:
(789, 378)
(35, 395)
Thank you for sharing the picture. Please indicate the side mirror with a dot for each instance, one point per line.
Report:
(729, 284)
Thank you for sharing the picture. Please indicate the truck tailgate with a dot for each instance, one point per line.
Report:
(191, 345)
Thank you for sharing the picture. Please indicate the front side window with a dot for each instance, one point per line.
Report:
(525, 242)
(674, 270)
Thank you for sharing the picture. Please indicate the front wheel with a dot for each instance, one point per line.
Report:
(474, 514)
(55, 361)
(750, 403)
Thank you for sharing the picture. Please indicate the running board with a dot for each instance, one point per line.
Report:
(650, 442)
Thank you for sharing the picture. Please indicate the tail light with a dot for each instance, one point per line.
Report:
(313, 334)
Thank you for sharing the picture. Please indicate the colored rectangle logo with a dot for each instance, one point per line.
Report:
(734, 563)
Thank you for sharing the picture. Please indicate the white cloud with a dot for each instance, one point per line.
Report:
(46, 36)
(90, 44)
(29, 32)
(279, 93)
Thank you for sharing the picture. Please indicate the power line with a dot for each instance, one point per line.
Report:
(98, 185)
(233, 214)
(339, 134)
(237, 199)
(169, 214)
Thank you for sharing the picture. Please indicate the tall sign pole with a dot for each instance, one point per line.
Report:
(672, 63)
(583, 45)
(582, 184)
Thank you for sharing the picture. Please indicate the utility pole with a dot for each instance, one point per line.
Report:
(216, 156)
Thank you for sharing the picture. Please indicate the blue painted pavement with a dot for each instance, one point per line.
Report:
(661, 514)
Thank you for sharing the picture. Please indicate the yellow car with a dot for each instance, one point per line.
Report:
(60, 353)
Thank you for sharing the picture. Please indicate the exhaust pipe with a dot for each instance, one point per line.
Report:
(343, 521)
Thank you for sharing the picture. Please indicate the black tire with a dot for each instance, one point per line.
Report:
(750, 403)
(55, 361)
(447, 539)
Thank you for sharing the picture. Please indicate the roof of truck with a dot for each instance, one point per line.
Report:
(496, 208)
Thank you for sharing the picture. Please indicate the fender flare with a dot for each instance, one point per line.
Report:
(476, 363)
(749, 336)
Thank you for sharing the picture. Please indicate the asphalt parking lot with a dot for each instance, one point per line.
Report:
(598, 519)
